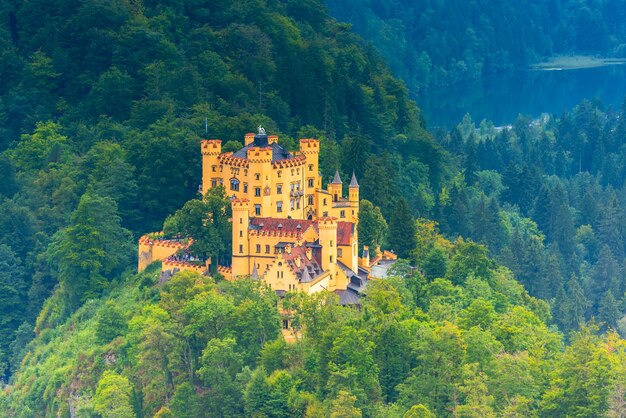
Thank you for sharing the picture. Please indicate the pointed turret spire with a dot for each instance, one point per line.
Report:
(337, 179)
(353, 182)
(255, 273)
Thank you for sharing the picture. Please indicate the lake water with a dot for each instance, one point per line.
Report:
(502, 97)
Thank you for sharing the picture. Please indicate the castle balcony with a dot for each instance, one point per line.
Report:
(296, 193)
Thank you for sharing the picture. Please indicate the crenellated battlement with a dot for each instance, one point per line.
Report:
(211, 146)
(159, 241)
(229, 159)
(240, 203)
(298, 161)
(309, 145)
(327, 222)
(259, 155)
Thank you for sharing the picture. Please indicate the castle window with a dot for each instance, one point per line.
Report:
(324, 203)
(245, 187)
(241, 234)
(240, 220)
(310, 199)
(257, 191)
(257, 176)
(257, 210)
(297, 171)
(311, 182)
(292, 171)
(342, 214)
(331, 242)
(285, 324)
(279, 189)
(335, 198)
(213, 183)
(258, 248)
(331, 258)
(310, 167)
(298, 203)
(292, 204)
(325, 214)
(221, 168)
(298, 186)
(234, 185)
(240, 248)
(292, 186)
(279, 173)
(267, 249)
(339, 252)
(279, 206)
(214, 168)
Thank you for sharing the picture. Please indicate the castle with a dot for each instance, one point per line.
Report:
(287, 231)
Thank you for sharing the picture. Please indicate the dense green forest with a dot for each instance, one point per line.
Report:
(102, 107)
(443, 42)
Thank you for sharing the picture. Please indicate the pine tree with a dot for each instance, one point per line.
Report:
(608, 311)
(402, 230)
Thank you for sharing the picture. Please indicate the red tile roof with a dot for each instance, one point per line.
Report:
(286, 225)
(344, 229)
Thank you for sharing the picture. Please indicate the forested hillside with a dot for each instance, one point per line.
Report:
(102, 107)
(442, 42)
(548, 198)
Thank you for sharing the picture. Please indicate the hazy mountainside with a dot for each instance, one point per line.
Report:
(442, 42)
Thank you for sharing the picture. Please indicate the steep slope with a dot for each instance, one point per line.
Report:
(470, 342)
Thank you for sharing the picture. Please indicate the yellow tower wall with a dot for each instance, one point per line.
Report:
(241, 247)
(310, 148)
(328, 240)
(211, 149)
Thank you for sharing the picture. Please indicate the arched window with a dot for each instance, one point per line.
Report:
(234, 185)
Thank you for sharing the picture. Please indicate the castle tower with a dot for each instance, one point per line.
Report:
(211, 149)
(310, 148)
(259, 176)
(334, 187)
(353, 197)
(328, 241)
(241, 250)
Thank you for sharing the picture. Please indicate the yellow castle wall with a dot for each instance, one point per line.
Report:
(153, 250)
(281, 188)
